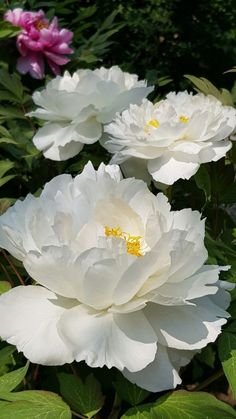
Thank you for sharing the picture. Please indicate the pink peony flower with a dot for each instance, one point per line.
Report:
(39, 40)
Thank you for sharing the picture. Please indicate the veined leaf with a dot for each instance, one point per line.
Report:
(227, 353)
(83, 397)
(183, 405)
(11, 380)
(34, 404)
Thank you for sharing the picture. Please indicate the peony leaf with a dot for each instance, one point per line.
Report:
(34, 404)
(11, 380)
(203, 182)
(5, 165)
(4, 287)
(205, 86)
(183, 405)
(227, 353)
(5, 354)
(85, 398)
(129, 392)
(6, 179)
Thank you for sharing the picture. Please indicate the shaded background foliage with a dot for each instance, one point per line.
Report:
(160, 40)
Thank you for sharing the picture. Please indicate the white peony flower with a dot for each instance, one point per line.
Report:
(170, 139)
(121, 279)
(77, 106)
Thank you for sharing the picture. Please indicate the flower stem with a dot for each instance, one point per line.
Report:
(77, 415)
(209, 380)
(13, 268)
(115, 408)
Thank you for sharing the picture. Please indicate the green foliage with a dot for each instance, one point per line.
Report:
(227, 353)
(10, 381)
(160, 40)
(205, 86)
(203, 182)
(34, 404)
(183, 405)
(83, 397)
(129, 392)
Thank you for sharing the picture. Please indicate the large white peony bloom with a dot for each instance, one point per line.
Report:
(121, 279)
(77, 106)
(169, 140)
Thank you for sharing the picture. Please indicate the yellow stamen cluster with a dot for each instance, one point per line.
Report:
(152, 123)
(41, 25)
(183, 119)
(133, 243)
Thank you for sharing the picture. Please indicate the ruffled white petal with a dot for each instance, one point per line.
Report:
(167, 169)
(100, 338)
(160, 375)
(187, 327)
(30, 317)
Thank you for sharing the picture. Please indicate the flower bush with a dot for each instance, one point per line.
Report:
(117, 295)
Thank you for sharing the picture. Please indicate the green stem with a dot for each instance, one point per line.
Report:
(115, 408)
(78, 415)
(209, 380)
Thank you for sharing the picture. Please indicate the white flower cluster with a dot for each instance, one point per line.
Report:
(121, 279)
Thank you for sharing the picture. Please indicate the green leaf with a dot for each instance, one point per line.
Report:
(227, 354)
(5, 354)
(5, 165)
(85, 398)
(10, 112)
(207, 356)
(4, 287)
(4, 132)
(12, 83)
(205, 86)
(183, 405)
(11, 380)
(5, 203)
(203, 181)
(34, 404)
(7, 30)
(129, 392)
(6, 179)
(5, 140)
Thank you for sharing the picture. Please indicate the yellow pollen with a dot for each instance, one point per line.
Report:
(152, 123)
(183, 119)
(133, 243)
(41, 25)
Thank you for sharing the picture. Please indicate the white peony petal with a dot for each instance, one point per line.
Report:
(136, 168)
(160, 375)
(15, 227)
(31, 315)
(167, 169)
(58, 141)
(144, 274)
(196, 286)
(55, 268)
(220, 149)
(186, 327)
(100, 338)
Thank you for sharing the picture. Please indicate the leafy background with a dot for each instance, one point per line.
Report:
(161, 40)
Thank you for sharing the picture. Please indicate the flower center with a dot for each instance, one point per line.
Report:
(41, 25)
(152, 123)
(184, 119)
(133, 243)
